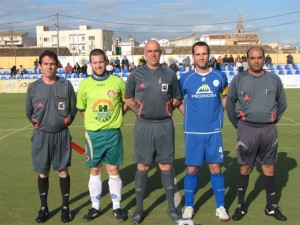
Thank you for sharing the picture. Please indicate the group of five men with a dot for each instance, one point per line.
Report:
(255, 102)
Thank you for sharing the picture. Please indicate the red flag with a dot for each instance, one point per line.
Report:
(77, 148)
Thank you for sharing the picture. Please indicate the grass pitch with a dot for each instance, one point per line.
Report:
(19, 200)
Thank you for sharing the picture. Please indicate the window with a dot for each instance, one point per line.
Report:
(46, 39)
(81, 37)
(91, 38)
(54, 38)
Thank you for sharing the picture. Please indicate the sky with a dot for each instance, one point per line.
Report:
(273, 20)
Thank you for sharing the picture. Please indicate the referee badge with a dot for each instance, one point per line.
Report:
(164, 87)
(61, 106)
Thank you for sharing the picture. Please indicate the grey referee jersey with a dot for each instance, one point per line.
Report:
(153, 91)
(51, 108)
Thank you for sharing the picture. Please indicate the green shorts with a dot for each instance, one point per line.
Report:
(104, 146)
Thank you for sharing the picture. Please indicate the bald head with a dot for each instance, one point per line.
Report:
(152, 53)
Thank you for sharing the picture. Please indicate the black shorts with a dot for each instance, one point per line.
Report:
(256, 144)
(50, 148)
(154, 140)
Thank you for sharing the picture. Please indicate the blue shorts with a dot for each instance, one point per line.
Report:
(202, 148)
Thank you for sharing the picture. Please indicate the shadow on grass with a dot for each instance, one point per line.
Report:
(230, 171)
(153, 184)
(282, 168)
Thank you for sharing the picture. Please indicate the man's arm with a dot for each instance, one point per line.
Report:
(181, 108)
(281, 100)
(130, 103)
(176, 102)
(230, 103)
(28, 105)
(224, 98)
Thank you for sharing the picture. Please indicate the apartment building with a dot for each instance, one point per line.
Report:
(79, 42)
(16, 39)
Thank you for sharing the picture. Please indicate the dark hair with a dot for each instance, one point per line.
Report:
(50, 54)
(200, 43)
(248, 51)
(97, 51)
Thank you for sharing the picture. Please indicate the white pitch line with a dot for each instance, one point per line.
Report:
(132, 124)
(15, 131)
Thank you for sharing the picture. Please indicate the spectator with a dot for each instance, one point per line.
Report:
(84, 69)
(219, 63)
(173, 66)
(77, 68)
(13, 72)
(68, 69)
(132, 67)
(142, 61)
(289, 59)
(237, 59)
(268, 60)
(117, 63)
(125, 63)
(231, 60)
(245, 64)
(239, 67)
(187, 63)
(35, 65)
(213, 62)
(226, 60)
(22, 71)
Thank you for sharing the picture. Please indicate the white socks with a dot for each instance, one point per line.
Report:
(95, 188)
(115, 187)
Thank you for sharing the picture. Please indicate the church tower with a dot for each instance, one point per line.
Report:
(239, 27)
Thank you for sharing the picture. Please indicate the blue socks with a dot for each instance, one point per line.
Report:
(217, 183)
(190, 184)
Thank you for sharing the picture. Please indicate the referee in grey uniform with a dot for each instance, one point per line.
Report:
(152, 92)
(255, 103)
(51, 108)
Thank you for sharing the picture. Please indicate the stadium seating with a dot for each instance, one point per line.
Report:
(181, 69)
(68, 76)
(83, 75)
(297, 72)
(61, 71)
(281, 72)
(289, 72)
(295, 67)
(231, 73)
(117, 70)
(125, 70)
(279, 67)
(75, 75)
(273, 71)
(271, 67)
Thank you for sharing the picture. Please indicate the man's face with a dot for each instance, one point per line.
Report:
(98, 64)
(256, 60)
(201, 57)
(152, 53)
(48, 67)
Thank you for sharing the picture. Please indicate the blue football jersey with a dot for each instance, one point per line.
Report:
(203, 109)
